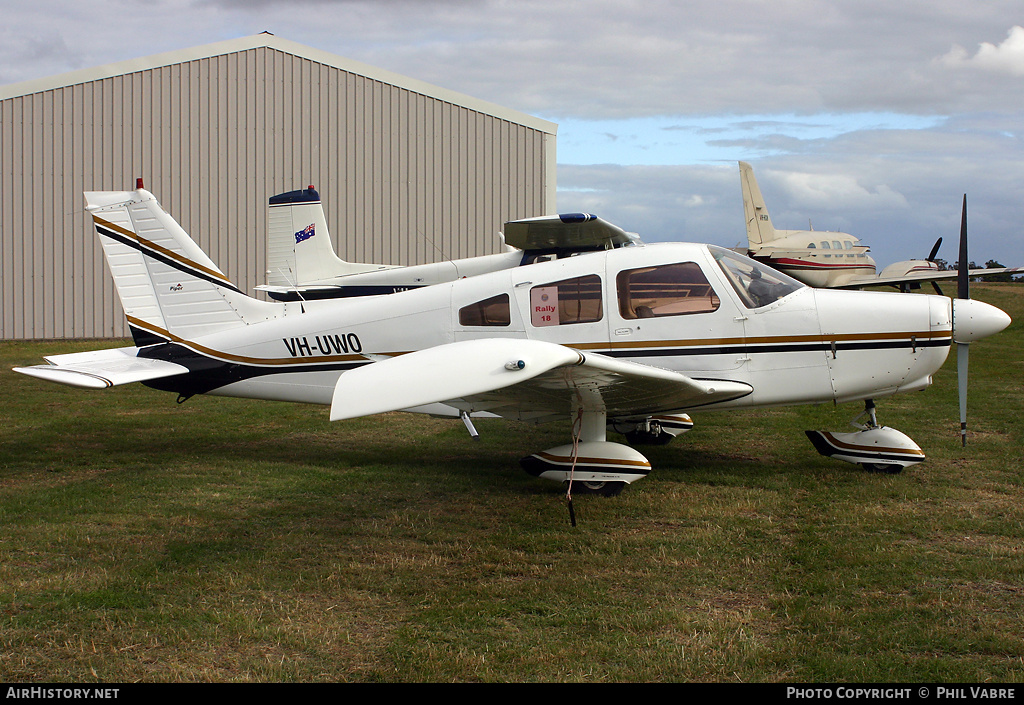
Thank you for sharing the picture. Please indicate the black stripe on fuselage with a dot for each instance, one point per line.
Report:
(208, 374)
(823, 346)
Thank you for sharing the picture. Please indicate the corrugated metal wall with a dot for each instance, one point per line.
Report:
(405, 178)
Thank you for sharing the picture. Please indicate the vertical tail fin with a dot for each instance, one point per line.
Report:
(299, 249)
(167, 285)
(760, 230)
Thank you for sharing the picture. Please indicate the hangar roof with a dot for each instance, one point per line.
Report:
(271, 41)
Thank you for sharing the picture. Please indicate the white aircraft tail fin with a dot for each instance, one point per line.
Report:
(299, 248)
(760, 230)
(168, 286)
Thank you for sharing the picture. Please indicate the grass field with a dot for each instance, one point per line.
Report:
(231, 540)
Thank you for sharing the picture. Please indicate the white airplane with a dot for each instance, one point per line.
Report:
(302, 263)
(832, 259)
(631, 338)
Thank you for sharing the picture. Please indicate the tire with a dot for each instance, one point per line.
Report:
(885, 468)
(646, 438)
(599, 487)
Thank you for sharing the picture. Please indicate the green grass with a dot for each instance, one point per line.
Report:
(230, 540)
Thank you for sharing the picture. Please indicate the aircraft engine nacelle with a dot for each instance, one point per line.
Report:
(913, 266)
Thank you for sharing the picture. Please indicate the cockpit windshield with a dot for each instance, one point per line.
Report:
(756, 284)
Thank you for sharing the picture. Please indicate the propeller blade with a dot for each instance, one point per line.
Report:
(935, 250)
(963, 266)
(963, 291)
(962, 352)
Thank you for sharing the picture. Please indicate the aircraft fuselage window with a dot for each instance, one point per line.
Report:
(811, 246)
(666, 290)
(849, 244)
(825, 245)
(756, 284)
(836, 244)
(565, 302)
(494, 311)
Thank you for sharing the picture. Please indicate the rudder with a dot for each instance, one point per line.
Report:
(299, 248)
(760, 230)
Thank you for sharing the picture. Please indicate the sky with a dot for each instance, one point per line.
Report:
(871, 117)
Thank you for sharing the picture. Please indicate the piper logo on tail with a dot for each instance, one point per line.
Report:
(306, 233)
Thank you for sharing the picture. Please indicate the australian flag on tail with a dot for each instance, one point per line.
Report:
(304, 234)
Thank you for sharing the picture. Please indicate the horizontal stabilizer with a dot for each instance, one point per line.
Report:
(521, 378)
(99, 369)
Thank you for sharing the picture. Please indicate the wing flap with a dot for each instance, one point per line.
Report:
(525, 379)
(99, 369)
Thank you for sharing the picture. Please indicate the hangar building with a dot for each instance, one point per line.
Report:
(408, 172)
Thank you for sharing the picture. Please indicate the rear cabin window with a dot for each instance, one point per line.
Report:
(566, 302)
(666, 290)
(494, 311)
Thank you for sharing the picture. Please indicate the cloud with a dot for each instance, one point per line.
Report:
(838, 191)
(1007, 57)
(680, 91)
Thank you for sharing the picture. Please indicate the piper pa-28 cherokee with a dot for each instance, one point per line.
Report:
(833, 259)
(630, 338)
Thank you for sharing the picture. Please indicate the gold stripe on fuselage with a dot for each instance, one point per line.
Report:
(242, 359)
(632, 345)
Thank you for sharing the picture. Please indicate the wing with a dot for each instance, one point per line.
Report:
(526, 379)
(911, 277)
(98, 369)
(572, 230)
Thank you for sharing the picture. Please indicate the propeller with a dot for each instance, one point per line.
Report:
(963, 292)
(972, 320)
(931, 258)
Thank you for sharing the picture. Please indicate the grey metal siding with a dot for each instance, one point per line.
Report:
(406, 178)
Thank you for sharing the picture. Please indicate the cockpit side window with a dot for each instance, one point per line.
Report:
(494, 311)
(666, 290)
(756, 284)
(565, 302)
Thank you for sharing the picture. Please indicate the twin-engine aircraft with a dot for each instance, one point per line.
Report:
(832, 259)
(627, 338)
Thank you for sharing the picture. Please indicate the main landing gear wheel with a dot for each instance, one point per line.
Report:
(649, 438)
(885, 468)
(593, 467)
(600, 487)
(653, 430)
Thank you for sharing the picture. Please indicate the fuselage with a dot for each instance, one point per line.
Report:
(817, 258)
(699, 310)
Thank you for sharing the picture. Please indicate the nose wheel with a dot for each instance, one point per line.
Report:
(875, 448)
